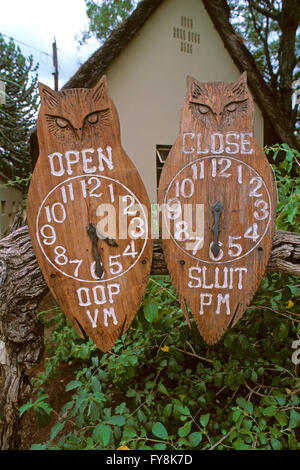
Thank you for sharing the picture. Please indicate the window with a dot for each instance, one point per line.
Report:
(162, 152)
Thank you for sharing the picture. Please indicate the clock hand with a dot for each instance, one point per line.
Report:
(109, 241)
(91, 230)
(217, 209)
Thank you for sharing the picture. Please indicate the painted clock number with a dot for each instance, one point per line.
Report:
(56, 213)
(185, 188)
(115, 266)
(235, 249)
(61, 259)
(217, 165)
(48, 239)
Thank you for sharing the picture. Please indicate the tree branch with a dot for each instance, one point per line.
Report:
(264, 39)
(270, 12)
(271, 106)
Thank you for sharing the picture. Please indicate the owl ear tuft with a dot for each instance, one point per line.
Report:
(100, 91)
(48, 96)
(240, 85)
(195, 90)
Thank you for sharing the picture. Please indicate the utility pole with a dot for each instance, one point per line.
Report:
(55, 63)
(2, 92)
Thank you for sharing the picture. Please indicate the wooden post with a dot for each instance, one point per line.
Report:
(55, 63)
(2, 92)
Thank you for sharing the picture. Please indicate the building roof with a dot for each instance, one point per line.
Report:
(91, 71)
(95, 66)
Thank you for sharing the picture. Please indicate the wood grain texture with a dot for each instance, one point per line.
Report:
(84, 181)
(285, 255)
(22, 286)
(217, 164)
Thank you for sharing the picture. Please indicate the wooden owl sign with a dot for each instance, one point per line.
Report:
(88, 213)
(219, 206)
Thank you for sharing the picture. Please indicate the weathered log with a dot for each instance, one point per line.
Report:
(285, 255)
(21, 334)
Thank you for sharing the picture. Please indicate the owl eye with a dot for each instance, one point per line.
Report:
(203, 109)
(231, 107)
(92, 118)
(62, 122)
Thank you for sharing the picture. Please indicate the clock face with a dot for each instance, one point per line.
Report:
(120, 228)
(199, 214)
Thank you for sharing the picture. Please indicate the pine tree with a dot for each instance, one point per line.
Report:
(18, 114)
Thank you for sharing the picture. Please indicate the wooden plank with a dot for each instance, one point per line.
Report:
(285, 255)
(219, 206)
(88, 213)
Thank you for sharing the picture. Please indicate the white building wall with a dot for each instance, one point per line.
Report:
(147, 81)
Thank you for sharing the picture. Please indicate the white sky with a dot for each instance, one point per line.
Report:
(37, 22)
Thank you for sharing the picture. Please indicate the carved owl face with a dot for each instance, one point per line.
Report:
(219, 105)
(76, 115)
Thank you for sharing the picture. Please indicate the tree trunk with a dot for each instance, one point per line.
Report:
(219, 13)
(21, 334)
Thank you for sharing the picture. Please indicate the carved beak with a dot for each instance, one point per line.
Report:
(218, 117)
(78, 133)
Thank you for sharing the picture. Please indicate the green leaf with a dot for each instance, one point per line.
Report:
(217, 365)
(159, 430)
(128, 433)
(235, 415)
(58, 426)
(281, 418)
(246, 405)
(204, 419)
(96, 385)
(102, 434)
(243, 340)
(151, 311)
(280, 398)
(116, 420)
(195, 438)
(160, 446)
(72, 385)
(185, 429)
(41, 398)
(294, 419)
(38, 447)
(269, 411)
(239, 444)
(276, 444)
(162, 389)
(141, 416)
(254, 376)
(167, 410)
(292, 442)
(25, 407)
(218, 379)
(180, 409)
(42, 416)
